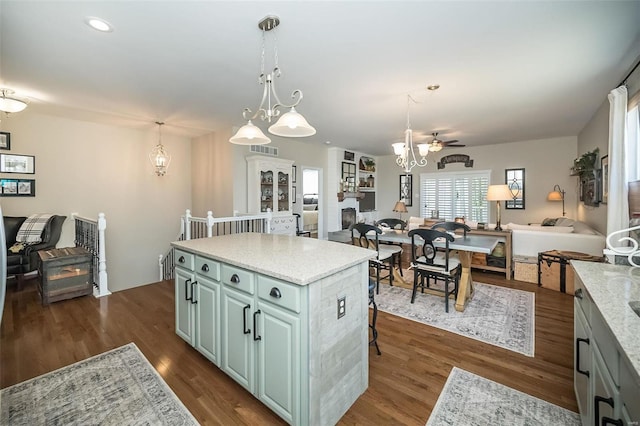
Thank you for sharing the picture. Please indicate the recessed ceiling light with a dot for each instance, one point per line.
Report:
(328, 142)
(433, 87)
(98, 24)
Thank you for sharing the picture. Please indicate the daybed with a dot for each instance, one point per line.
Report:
(310, 212)
(565, 235)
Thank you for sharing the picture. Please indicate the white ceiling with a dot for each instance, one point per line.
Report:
(508, 70)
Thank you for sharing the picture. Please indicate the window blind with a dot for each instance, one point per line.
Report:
(455, 195)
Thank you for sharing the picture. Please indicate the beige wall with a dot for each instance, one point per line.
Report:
(546, 163)
(90, 168)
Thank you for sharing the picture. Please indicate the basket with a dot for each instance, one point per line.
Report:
(525, 269)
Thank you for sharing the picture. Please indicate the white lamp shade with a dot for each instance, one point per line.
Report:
(499, 192)
(555, 196)
(249, 135)
(10, 105)
(398, 148)
(423, 148)
(292, 125)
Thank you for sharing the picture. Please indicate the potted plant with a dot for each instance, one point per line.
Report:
(586, 162)
(370, 165)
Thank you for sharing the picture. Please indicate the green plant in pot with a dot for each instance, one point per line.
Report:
(586, 162)
(370, 165)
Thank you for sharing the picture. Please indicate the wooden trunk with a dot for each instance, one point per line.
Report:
(64, 273)
(554, 271)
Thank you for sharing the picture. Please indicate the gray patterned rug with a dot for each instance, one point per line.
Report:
(499, 316)
(468, 399)
(119, 387)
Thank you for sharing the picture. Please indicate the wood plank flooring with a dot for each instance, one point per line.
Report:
(404, 382)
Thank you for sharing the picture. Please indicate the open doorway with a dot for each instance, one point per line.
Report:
(312, 209)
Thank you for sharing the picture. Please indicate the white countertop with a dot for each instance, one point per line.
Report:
(612, 287)
(299, 260)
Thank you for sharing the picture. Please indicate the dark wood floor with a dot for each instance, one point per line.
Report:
(404, 383)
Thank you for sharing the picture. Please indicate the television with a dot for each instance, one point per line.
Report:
(368, 203)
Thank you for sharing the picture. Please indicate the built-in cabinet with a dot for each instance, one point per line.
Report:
(604, 383)
(269, 185)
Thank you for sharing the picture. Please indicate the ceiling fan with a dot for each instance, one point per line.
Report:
(436, 144)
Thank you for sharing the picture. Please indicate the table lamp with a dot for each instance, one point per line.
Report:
(557, 195)
(400, 207)
(498, 193)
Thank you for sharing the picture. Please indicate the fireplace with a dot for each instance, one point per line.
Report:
(348, 217)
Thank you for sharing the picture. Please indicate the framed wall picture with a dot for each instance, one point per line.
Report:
(294, 194)
(406, 189)
(17, 188)
(5, 140)
(349, 156)
(514, 178)
(294, 173)
(24, 164)
(604, 167)
(590, 188)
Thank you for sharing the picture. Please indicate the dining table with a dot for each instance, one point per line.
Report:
(464, 244)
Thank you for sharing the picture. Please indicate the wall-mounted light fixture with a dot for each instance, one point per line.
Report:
(557, 195)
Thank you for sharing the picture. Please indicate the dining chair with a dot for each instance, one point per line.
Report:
(298, 231)
(374, 317)
(451, 227)
(398, 224)
(429, 263)
(366, 236)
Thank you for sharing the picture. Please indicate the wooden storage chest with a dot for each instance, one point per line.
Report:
(554, 271)
(64, 273)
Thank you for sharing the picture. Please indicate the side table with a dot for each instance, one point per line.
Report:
(504, 236)
(64, 273)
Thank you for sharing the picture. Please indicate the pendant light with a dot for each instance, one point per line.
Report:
(159, 157)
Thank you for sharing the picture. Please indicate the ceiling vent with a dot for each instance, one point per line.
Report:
(263, 149)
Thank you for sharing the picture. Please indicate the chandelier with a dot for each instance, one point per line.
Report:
(159, 156)
(291, 124)
(10, 103)
(405, 150)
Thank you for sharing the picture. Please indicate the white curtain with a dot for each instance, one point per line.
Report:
(633, 145)
(618, 204)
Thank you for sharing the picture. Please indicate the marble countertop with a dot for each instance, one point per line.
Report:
(298, 260)
(612, 287)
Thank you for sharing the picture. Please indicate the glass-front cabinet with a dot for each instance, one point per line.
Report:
(269, 185)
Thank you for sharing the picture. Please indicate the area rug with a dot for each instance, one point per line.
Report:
(119, 387)
(469, 399)
(495, 315)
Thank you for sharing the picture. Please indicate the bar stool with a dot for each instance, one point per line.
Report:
(372, 326)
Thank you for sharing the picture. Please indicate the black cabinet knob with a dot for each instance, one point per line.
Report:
(205, 268)
(275, 292)
(235, 279)
(578, 293)
(181, 259)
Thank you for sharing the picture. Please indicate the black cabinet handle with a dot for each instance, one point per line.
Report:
(235, 279)
(181, 259)
(193, 299)
(578, 293)
(255, 325)
(186, 289)
(245, 330)
(596, 402)
(610, 421)
(275, 292)
(205, 268)
(578, 341)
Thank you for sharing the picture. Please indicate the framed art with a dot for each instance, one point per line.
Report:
(17, 164)
(294, 173)
(17, 188)
(5, 140)
(514, 178)
(590, 189)
(604, 168)
(406, 189)
(349, 156)
(293, 194)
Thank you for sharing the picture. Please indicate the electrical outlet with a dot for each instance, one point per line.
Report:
(342, 306)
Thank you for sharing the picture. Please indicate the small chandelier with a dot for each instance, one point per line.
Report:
(405, 151)
(159, 156)
(10, 103)
(292, 124)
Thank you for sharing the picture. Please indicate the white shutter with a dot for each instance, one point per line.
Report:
(428, 197)
(455, 195)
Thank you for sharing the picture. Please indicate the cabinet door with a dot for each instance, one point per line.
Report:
(208, 319)
(185, 313)
(238, 349)
(279, 361)
(605, 396)
(582, 363)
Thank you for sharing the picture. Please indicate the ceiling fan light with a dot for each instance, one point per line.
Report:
(435, 147)
(249, 134)
(292, 125)
(10, 103)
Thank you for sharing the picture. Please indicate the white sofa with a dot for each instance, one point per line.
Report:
(566, 235)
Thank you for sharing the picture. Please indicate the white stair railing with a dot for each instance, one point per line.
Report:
(90, 235)
(192, 228)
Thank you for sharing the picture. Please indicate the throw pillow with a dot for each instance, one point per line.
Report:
(549, 221)
(564, 221)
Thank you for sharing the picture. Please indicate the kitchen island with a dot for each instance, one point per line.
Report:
(286, 317)
(607, 343)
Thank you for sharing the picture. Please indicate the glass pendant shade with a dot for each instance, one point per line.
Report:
(9, 103)
(398, 148)
(423, 149)
(249, 134)
(159, 157)
(435, 147)
(292, 125)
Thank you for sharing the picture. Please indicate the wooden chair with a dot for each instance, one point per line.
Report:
(451, 227)
(394, 223)
(298, 231)
(428, 263)
(366, 236)
(374, 317)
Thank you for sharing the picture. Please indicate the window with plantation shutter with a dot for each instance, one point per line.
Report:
(455, 195)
